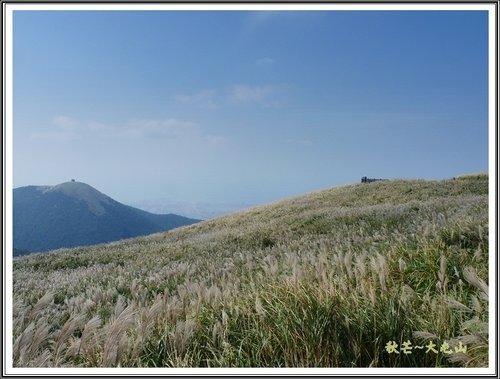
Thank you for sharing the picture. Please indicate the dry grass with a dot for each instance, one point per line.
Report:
(325, 279)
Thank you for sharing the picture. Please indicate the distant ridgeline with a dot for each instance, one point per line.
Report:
(364, 179)
(75, 214)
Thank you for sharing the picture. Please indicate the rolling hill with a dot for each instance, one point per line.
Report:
(75, 214)
(383, 274)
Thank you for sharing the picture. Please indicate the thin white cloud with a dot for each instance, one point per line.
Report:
(266, 96)
(243, 94)
(256, 19)
(265, 62)
(299, 142)
(61, 136)
(100, 127)
(206, 98)
(216, 140)
(62, 128)
(170, 128)
(65, 122)
(180, 131)
(184, 98)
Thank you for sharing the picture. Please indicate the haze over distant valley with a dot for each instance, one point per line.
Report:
(198, 210)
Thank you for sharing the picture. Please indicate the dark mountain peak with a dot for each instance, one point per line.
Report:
(76, 214)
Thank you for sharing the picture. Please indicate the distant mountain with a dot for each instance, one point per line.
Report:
(75, 214)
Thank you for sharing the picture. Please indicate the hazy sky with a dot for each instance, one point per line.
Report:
(246, 106)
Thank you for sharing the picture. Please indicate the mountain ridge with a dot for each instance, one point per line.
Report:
(74, 214)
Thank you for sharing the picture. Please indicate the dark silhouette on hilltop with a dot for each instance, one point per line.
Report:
(364, 179)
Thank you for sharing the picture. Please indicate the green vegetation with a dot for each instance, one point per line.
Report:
(328, 279)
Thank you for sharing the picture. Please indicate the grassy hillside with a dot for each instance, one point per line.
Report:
(329, 279)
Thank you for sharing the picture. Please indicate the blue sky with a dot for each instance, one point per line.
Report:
(246, 107)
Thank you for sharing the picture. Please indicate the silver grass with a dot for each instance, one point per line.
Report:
(40, 336)
(41, 303)
(88, 331)
(184, 330)
(471, 276)
(259, 309)
(217, 331)
(119, 306)
(456, 305)
(22, 343)
(408, 294)
(475, 326)
(476, 305)
(124, 321)
(44, 359)
(63, 335)
(443, 278)
(472, 339)
(402, 264)
(424, 336)
(461, 358)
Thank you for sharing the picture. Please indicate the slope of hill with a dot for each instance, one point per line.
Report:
(386, 274)
(75, 214)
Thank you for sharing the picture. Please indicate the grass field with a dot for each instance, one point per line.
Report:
(343, 277)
